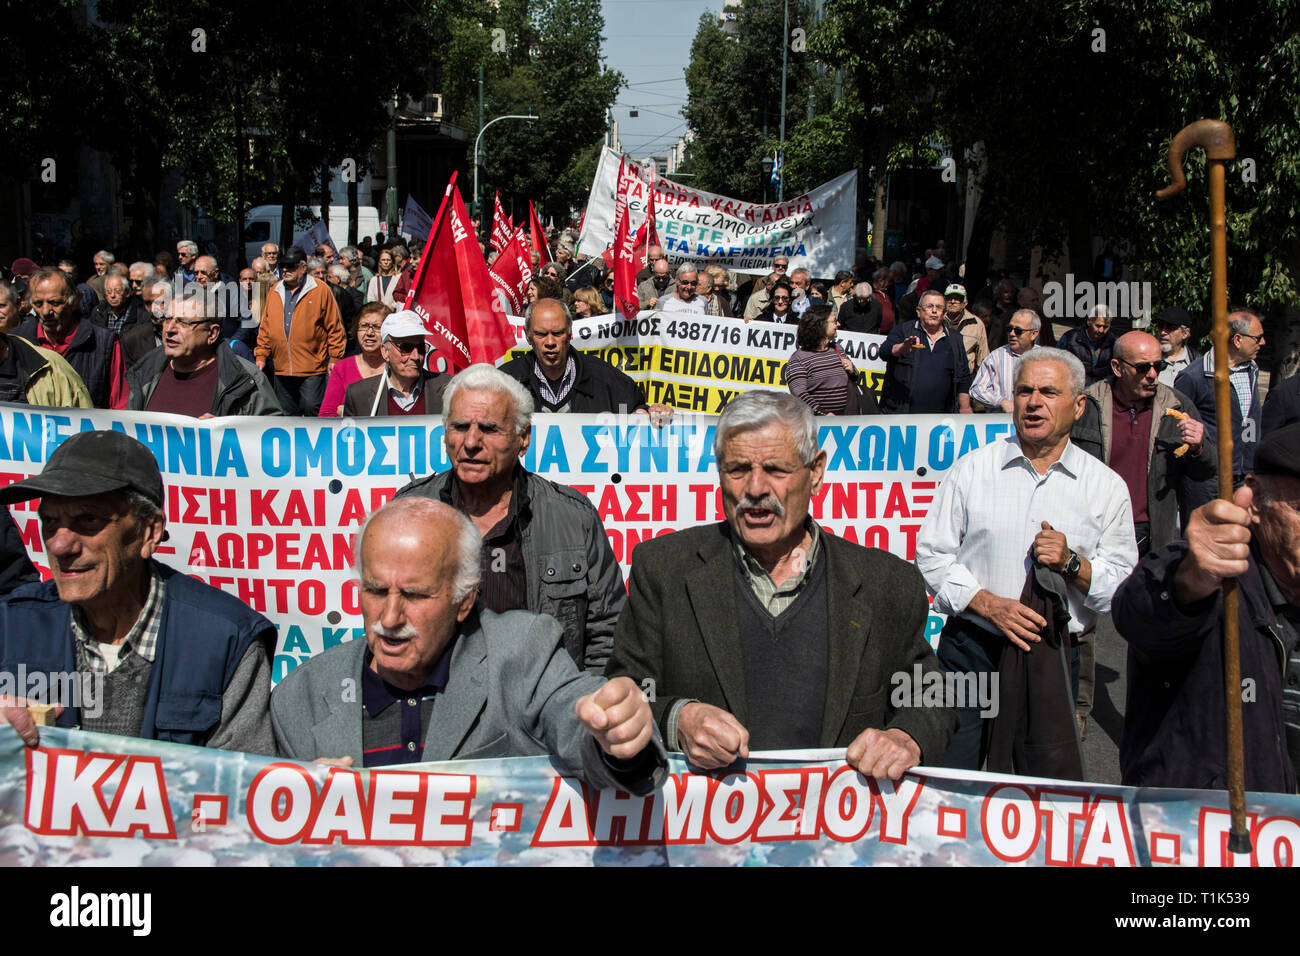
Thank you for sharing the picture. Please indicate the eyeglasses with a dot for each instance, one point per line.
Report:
(1142, 368)
(1245, 335)
(367, 327)
(188, 323)
(1016, 330)
(405, 348)
(781, 266)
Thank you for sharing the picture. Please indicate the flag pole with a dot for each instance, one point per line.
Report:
(428, 245)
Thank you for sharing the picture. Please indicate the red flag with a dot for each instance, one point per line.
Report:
(539, 237)
(452, 291)
(651, 237)
(502, 227)
(512, 270)
(625, 299)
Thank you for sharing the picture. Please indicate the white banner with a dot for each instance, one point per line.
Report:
(817, 230)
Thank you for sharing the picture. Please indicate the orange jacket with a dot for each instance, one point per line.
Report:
(315, 339)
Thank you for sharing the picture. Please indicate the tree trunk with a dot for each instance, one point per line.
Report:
(288, 196)
(325, 196)
(354, 210)
(879, 214)
(146, 191)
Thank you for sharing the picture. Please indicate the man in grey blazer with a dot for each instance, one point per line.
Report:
(764, 631)
(406, 387)
(436, 680)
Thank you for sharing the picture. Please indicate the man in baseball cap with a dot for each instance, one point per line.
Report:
(958, 318)
(407, 387)
(155, 653)
(1170, 611)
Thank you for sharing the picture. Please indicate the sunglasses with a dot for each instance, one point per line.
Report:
(406, 348)
(780, 298)
(1142, 368)
(1014, 330)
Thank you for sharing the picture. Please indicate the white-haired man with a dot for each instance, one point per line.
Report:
(995, 379)
(545, 549)
(762, 632)
(1025, 544)
(439, 679)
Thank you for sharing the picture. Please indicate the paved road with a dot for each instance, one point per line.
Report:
(1101, 747)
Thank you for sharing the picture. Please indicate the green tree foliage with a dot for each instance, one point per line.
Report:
(1072, 106)
(734, 101)
(550, 67)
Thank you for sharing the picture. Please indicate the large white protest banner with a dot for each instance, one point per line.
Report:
(266, 508)
(816, 230)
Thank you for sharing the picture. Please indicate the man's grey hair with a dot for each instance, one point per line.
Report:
(350, 253)
(881, 273)
(482, 377)
(126, 286)
(688, 270)
(400, 251)
(315, 262)
(107, 256)
(1078, 380)
(898, 267)
(1101, 309)
(146, 266)
(1035, 322)
(929, 292)
(863, 290)
(272, 245)
(1242, 326)
(759, 408)
(140, 507)
(9, 294)
(189, 245)
(213, 259)
(340, 272)
(801, 271)
(469, 544)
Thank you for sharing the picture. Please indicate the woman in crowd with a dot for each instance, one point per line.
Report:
(818, 373)
(778, 310)
(384, 282)
(369, 361)
(544, 287)
(720, 300)
(587, 301)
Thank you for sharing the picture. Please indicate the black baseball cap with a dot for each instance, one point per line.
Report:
(1174, 316)
(1279, 452)
(92, 463)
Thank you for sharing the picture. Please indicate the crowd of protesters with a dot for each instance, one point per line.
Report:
(1098, 499)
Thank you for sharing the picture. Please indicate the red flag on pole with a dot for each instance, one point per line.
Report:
(625, 299)
(452, 291)
(539, 236)
(512, 270)
(502, 227)
(651, 237)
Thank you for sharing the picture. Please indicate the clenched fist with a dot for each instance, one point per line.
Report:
(618, 716)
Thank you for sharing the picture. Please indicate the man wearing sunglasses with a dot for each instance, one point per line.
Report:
(1125, 424)
(406, 387)
(1245, 338)
(684, 298)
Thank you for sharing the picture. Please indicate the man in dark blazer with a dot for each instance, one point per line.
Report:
(765, 632)
(406, 387)
(436, 680)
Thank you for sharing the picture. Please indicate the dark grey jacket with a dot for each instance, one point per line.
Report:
(369, 396)
(571, 572)
(1165, 473)
(510, 693)
(241, 388)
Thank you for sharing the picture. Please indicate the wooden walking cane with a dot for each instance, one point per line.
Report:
(1220, 146)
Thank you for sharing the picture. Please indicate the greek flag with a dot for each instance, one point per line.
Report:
(776, 169)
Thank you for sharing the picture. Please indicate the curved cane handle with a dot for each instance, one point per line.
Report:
(1214, 135)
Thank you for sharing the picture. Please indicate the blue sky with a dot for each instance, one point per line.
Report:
(649, 42)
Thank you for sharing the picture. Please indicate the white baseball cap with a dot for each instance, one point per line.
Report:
(401, 325)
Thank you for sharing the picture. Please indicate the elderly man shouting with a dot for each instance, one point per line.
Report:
(763, 632)
(439, 680)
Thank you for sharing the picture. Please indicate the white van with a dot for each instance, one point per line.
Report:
(263, 225)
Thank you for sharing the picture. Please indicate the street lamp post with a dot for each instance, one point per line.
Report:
(477, 140)
(767, 175)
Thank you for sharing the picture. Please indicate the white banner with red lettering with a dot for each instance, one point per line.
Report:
(266, 508)
(816, 230)
(94, 799)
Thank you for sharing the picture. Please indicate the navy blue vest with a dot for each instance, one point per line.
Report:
(203, 636)
(90, 354)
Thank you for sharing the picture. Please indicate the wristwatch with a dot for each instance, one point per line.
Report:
(1073, 566)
